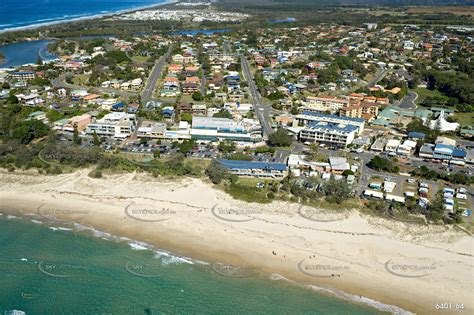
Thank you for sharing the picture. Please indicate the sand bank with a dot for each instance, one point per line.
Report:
(410, 266)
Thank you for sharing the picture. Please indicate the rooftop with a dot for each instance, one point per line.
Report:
(236, 164)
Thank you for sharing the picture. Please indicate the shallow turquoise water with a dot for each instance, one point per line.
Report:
(45, 271)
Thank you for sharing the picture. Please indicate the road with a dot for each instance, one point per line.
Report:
(227, 50)
(379, 76)
(262, 112)
(60, 82)
(155, 74)
(408, 102)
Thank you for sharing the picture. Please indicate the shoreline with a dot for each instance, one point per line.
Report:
(138, 245)
(86, 17)
(274, 242)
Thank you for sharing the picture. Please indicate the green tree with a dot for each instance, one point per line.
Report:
(223, 114)
(280, 138)
(337, 191)
(197, 96)
(75, 136)
(27, 131)
(96, 139)
(187, 117)
(217, 172)
(382, 164)
(186, 146)
(226, 147)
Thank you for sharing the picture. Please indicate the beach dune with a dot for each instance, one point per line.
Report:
(414, 267)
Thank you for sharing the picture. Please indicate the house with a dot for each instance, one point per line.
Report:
(406, 148)
(338, 165)
(190, 88)
(38, 115)
(175, 68)
(167, 112)
(392, 145)
(298, 162)
(77, 122)
(152, 130)
(183, 108)
(199, 110)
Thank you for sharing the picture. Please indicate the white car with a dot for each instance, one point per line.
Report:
(462, 190)
(461, 196)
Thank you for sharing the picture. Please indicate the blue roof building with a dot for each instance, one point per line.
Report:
(459, 153)
(307, 117)
(118, 106)
(333, 134)
(416, 135)
(255, 169)
(443, 151)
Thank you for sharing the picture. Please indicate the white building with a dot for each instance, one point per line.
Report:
(214, 129)
(321, 104)
(338, 135)
(117, 125)
(308, 117)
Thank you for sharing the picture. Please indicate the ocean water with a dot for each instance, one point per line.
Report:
(21, 13)
(48, 269)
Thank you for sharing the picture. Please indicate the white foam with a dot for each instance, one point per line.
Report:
(362, 300)
(169, 259)
(36, 221)
(166, 257)
(137, 246)
(11, 217)
(277, 277)
(59, 228)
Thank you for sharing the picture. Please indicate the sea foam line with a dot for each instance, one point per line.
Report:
(347, 296)
(165, 257)
(58, 20)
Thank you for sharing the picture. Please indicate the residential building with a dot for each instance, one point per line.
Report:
(22, 75)
(199, 110)
(321, 104)
(255, 169)
(153, 130)
(118, 125)
(332, 134)
(214, 129)
(307, 117)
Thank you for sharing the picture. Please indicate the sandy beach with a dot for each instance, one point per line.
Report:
(414, 267)
(87, 17)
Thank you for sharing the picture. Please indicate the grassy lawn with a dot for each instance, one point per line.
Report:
(245, 189)
(80, 79)
(140, 58)
(423, 93)
(464, 119)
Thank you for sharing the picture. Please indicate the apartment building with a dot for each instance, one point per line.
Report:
(308, 117)
(118, 125)
(321, 104)
(332, 134)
